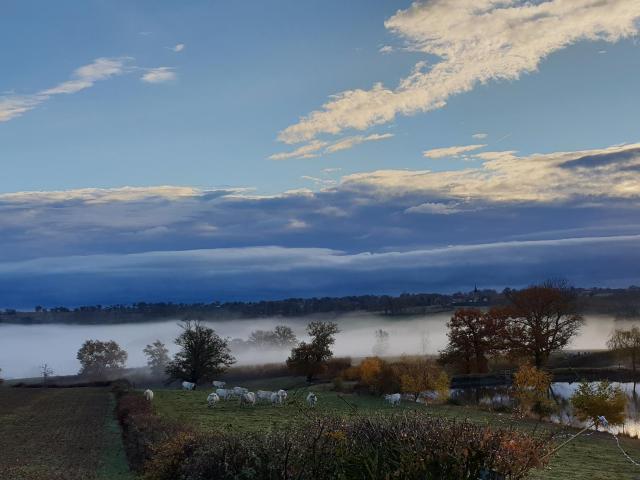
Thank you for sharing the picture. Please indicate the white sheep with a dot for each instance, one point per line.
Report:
(212, 399)
(312, 399)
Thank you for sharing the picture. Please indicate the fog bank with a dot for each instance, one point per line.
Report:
(24, 347)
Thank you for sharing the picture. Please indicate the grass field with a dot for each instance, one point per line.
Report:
(60, 434)
(593, 457)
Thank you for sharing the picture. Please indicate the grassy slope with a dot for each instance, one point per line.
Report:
(595, 457)
(59, 434)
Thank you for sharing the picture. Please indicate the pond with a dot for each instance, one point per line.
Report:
(499, 397)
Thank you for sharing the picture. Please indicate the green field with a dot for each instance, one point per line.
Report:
(595, 456)
(60, 434)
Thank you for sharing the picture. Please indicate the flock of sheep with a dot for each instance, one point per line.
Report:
(242, 394)
(246, 397)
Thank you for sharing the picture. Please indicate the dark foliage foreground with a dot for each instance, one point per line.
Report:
(403, 446)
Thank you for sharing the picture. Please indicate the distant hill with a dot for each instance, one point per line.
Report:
(621, 303)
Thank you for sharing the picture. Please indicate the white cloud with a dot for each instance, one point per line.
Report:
(434, 208)
(385, 49)
(312, 149)
(13, 106)
(451, 151)
(479, 136)
(476, 41)
(321, 182)
(159, 75)
(178, 48)
(309, 150)
(505, 177)
(295, 224)
(101, 195)
(350, 142)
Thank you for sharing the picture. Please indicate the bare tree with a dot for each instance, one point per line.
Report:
(45, 372)
(381, 346)
(626, 344)
(540, 320)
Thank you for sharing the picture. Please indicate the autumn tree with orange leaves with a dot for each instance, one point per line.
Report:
(474, 336)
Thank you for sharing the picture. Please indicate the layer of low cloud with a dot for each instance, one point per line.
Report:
(276, 272)
(541, 214)
(474, 41)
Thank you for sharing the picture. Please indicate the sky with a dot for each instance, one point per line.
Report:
(207, 150)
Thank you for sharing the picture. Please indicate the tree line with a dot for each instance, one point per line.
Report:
(203, 355)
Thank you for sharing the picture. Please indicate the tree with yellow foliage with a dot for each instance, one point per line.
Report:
(531, 387)
(593, 400)
(422, 374)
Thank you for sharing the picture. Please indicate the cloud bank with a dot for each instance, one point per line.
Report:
(513, 220)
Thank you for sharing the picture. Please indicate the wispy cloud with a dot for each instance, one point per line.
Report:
(313, 149)
(159, 75)
(309, 150)
(479, 136)
(476, 41)
(350, 142)
(177, 48)
(450, 151)
(12, 106)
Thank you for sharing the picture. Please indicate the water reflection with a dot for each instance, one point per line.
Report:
(498, 398)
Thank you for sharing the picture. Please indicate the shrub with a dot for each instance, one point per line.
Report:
(336, 366)
(411, 446)
(596, 399)
(338, 384)
(142, 431)
(370, 370)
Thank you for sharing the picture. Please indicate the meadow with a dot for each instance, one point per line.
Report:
(595, 456)
(60, 434)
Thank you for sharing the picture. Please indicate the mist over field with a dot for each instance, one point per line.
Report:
(23, 348)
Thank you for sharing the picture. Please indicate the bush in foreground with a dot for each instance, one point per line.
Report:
(412, 446)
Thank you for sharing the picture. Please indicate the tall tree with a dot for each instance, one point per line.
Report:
(473, 336)
(309, 359)
(381, 345)
(540, 320)
(626, 343)
(157, 357)
(202, 355)
(97, 358)
(284, 336)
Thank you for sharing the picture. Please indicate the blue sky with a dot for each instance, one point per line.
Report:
(311, 125)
